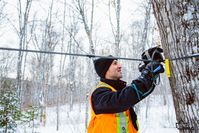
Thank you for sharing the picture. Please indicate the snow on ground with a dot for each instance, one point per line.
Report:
(70, 121)
(160, 119)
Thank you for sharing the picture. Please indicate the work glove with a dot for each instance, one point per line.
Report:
(149, 74)
(146, 82)
(154, 54)
(153, 69)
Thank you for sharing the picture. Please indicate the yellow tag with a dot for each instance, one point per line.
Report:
(167, 68)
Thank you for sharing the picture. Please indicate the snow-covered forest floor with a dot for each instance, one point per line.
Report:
(160, 118)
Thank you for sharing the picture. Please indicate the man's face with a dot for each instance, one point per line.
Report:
(114, 71)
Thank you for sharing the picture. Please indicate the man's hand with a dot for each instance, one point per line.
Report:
(155, 68)
(150, 73)
(154, 54)
(147, 79)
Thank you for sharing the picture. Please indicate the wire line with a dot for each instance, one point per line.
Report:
(71, 54)
(90, 55)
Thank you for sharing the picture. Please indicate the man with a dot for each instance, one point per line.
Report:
(112, 101)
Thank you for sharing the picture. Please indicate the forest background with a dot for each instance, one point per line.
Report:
(97, 27)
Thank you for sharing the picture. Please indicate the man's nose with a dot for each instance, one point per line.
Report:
(119, 65)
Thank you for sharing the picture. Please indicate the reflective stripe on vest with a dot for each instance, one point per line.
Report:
(122, 118)
(122, 123)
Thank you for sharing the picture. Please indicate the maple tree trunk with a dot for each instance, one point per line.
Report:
(178, 26)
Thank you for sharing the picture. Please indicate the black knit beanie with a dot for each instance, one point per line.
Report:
(102, 65)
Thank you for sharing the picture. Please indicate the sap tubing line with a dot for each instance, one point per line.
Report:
(89, 55)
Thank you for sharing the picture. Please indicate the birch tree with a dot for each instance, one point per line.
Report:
(23, 16)
(2, 13)
(147, 19)
(116, 4)
(61, 66)
(45, 38)
(88, 27)
(72, 47)
(178, 26)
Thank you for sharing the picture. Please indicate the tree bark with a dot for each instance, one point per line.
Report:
(178, 26)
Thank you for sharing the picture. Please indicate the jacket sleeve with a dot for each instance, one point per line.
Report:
(104, 100)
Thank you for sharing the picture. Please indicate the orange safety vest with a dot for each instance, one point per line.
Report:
(110, 123)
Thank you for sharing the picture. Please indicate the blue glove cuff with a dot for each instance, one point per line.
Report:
(157, 69)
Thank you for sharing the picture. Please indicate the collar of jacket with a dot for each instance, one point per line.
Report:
(116, 84)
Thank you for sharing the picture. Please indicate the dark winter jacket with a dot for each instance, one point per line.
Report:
(105, 100)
